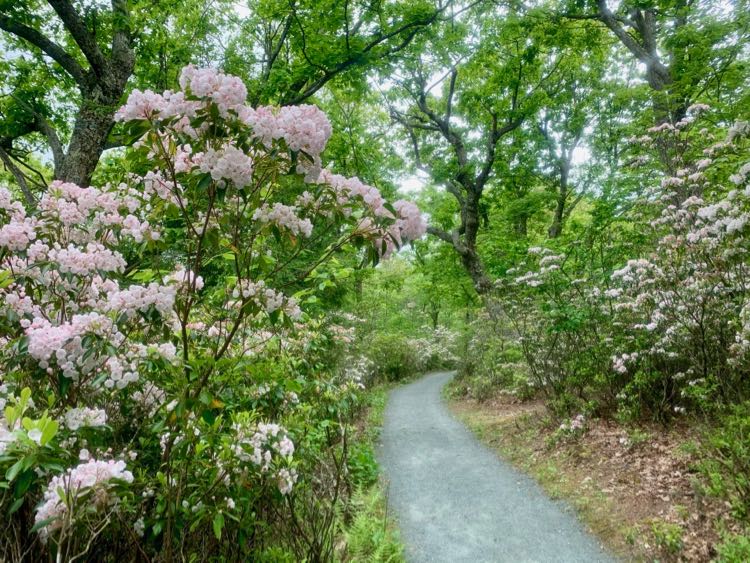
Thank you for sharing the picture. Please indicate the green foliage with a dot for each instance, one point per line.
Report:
(734, 549)
(370, 538)
(490, 364)
(538, 106)
(394, 358)
(726, 460)
(668, 536)
(363, 468)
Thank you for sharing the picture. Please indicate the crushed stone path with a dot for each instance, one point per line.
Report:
(455, 501)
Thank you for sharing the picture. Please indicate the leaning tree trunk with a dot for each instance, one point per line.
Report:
(473, 265)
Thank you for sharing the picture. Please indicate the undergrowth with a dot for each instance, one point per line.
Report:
(368, 534)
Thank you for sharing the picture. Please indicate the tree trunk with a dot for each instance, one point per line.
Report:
(101, 85)
(521, 225)
(434, 315)
(469, 256)
(473, 265)
(92, 126)
(558, 220)
(555, 229)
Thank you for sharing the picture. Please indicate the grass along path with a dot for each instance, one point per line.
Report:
(456, 501)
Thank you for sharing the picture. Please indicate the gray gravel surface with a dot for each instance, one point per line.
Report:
(456, 501)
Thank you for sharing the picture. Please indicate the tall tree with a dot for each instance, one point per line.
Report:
(95, 53)
(570, 109)
(691, 50)
(489, 74)
(289, 49)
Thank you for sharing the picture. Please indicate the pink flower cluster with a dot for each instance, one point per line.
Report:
(91, 477)
(303, 128)
(409, 225)
(17, 236)
(66, 269)
(266, 298)
(284, 216)
(184, 278)
(227, 92)
(349, 189)
(94, 257)
(63, 343)
(263, 444)
(137, 298)
(85, 416)
(229, 163)
(286, 479)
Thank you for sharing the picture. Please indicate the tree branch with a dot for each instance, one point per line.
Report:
(44, 126)
(410, 28)
(122, 47)
(645, 53)
(81, 35)
(50, 48)
(19, 176)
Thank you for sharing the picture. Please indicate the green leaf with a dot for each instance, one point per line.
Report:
(23, 483)
(14, 470)
(218, 525)
(42, 523)
(204, 182)
(15, 506)
(49, 432)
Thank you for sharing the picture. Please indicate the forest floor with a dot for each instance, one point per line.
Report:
(456, 501)
(634, 487)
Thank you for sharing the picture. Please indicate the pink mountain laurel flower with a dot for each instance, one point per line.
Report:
(90, 477)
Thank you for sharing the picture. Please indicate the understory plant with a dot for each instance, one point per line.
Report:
(160, 391)
(648, 322)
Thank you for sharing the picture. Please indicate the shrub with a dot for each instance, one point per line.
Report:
(362, 466)
(726, 460)
(652, 321)
(734, 549)
(667, 536)
(393, 357)
(160, 390)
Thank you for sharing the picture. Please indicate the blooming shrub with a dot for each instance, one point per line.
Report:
(137, 317)
(650, 323)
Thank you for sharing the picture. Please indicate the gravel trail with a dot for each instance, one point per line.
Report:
(455, 501)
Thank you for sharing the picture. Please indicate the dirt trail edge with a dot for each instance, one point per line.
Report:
(456, 501)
